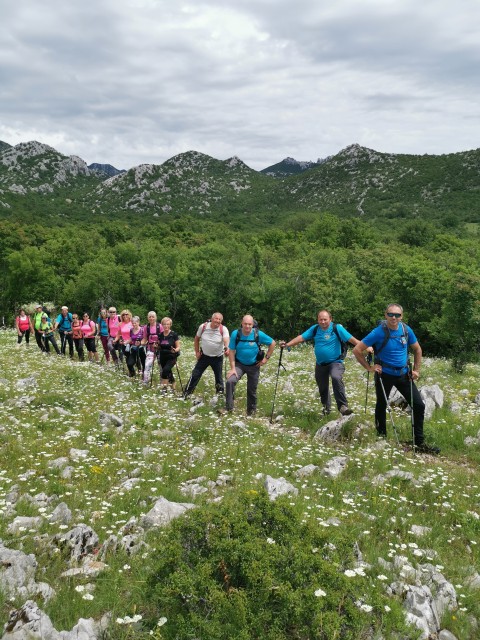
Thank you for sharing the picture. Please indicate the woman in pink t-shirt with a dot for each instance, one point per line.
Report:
(24, 326)
(124, 328)
(89, 329)
(153, 329)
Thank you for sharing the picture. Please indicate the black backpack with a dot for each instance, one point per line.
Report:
(238, 338)
(343, 345)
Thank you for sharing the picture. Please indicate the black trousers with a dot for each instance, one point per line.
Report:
(402, 384)
(64, 338)
(216, 363)
(39, 339)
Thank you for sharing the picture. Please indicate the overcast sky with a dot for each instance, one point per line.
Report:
(127, 82)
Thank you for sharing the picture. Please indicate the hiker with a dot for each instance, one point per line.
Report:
(102, 332)
(136, 357)
(23, 325)
(153, 329)
(63, 324)
(210, 344)
(46, 329)
(36, 322)
(330, 345)
(169, 351)
(246, 357)
(390, 341)
(123, 335)
(113, 325)
(89, 330)
(77, 335)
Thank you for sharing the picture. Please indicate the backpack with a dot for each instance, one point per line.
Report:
(204, 326)
(68, 317)
(386, 338)
(158, 325)
(238, 338)
(343, 345)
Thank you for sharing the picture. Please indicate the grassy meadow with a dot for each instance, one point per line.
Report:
(238, 565)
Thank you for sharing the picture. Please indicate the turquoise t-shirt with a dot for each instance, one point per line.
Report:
(246, 349)
(326, 344)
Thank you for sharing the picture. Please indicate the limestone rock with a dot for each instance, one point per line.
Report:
(279, 486)
(163, 512)
(332, 431)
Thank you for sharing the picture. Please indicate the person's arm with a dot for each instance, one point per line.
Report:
(270, 350)
(226, 341)
(359, 353)
(17, 323)
(417, 360)
(292, 342)
(196, 346)
(231, 358)
(176, 348)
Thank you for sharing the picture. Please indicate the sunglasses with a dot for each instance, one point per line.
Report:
(393, 315)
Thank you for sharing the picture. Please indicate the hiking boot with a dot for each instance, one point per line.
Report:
(427, 448)
(345, 411)
(325, 411)
(381, 434)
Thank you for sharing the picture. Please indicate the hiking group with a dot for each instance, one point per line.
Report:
(383, 352)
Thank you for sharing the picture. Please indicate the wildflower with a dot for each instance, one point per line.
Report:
(320, 593)
(87, 596)
(387, 608)
(350, 573)
(270, 541)
(161, 621)
(382, 577)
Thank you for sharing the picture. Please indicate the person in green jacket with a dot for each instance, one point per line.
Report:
(36, 322)
(48, 336)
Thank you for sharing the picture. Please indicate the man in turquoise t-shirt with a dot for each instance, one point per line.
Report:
(327, 338)
(246, 358)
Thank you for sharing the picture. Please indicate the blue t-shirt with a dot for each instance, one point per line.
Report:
(102, 323)
(246, 349)
(394, 354)
(326, 344)
(64, 323)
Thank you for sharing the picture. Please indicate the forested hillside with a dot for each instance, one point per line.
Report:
(194, 234)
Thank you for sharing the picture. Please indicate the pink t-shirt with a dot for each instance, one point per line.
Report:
(88, 329)
(125, 331)
(151, 333)
(113, 325)
(23, 323)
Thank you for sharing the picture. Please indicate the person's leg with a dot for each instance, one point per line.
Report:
(200, 366)
(148, 371)
(111, 349)
(336, 371)
(381, 403)
(70, 344)
(104, 341)
(230, 386)
(27, 337)
(418, 406)
(20, 337)
(322, 379)
(217, 367)
(40, 341)
(253, 376)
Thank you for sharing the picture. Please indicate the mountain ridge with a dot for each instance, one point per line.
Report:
(357, 181)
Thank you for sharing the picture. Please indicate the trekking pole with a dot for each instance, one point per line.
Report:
(276, 383)
(179, 377)
(410, 375)
(389, 408)
(153, 367)
(369, 360)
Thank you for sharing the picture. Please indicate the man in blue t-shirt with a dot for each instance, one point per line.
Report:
(390, 341)
(327, 338)
(246, 358)
(63, 322)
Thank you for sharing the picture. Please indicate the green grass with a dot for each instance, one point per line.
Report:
(378, 516)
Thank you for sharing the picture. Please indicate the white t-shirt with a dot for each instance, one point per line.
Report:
(212, 340)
